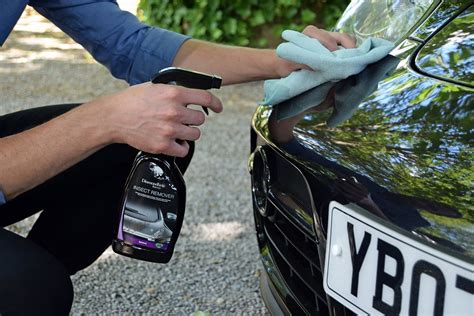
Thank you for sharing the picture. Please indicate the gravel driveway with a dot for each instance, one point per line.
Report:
(215, 265)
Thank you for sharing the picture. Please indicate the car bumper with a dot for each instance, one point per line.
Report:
(273, 301)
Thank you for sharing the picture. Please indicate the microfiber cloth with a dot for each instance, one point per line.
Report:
(303, 101)
(352, 91)
(327, 66)
(348, 93)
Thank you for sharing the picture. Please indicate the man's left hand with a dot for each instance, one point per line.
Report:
(331, 40)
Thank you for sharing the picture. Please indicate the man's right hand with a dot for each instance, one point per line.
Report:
(150, 117)
(155, 117)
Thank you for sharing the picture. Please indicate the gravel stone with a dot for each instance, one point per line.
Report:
(215, 265)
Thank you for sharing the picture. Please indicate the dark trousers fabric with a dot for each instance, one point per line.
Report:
(79, 211)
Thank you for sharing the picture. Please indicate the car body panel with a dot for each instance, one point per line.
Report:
(396, 140)
(449, 54)
(409, 142)
(441, 15)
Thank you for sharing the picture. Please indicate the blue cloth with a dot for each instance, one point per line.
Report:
(327, 66)
(131, 50)
(2, 198)
(348, 93)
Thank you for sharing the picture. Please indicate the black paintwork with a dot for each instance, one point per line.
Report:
(449, 54)
(396, 139)
(408, 144)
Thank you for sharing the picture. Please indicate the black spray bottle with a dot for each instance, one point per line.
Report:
(153, 205)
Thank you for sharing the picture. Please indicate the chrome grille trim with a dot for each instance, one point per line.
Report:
(287, 212)
(305, 273)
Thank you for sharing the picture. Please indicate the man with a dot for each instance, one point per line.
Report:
(71, 161)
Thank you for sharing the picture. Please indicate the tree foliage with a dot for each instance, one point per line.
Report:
(241, 22)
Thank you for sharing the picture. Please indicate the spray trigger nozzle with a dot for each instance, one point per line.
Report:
(189, 79)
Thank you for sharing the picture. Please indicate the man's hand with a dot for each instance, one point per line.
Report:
(331, 40)
(155, 117)
(149, 117)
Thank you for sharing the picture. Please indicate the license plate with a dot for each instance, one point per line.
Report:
(375, 268)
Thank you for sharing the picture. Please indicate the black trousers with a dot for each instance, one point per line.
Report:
(79, 210)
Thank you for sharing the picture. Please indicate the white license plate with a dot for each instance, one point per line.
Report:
(377, 269)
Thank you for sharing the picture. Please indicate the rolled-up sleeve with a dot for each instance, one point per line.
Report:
(131, 50)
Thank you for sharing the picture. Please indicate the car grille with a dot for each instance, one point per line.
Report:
(286, 230)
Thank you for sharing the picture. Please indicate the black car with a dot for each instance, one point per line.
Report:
(363, 198)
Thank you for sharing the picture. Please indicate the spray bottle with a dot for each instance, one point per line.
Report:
(153, 205)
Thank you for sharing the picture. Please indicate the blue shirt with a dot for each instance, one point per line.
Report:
(131, 50)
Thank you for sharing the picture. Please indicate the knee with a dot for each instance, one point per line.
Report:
(36, 290)
(33, 282)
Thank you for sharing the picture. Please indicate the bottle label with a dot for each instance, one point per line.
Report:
(150, 209)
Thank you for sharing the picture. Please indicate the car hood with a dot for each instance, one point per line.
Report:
(391, 140)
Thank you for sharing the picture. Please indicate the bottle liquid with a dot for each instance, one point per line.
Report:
(153, 205)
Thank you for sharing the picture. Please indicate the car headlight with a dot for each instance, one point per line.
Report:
(387, 19)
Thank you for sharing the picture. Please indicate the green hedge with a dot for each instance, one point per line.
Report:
(240, 22)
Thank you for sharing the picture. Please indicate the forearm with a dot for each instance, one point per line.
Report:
(233, 64)
(150, 117)
(239, 64)
(29, 158)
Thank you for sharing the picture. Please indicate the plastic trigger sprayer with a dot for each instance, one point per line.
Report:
(153, 204)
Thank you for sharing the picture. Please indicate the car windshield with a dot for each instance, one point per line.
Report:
(388, 19)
